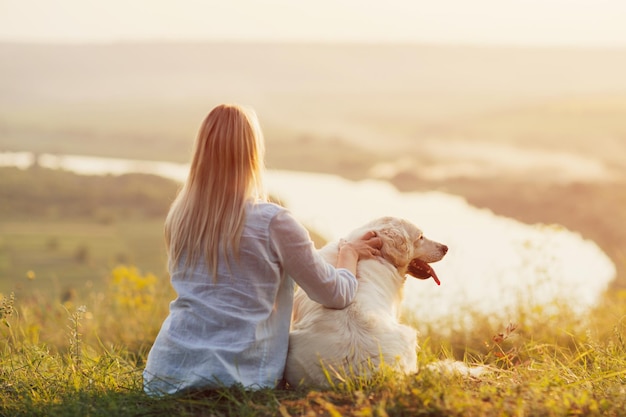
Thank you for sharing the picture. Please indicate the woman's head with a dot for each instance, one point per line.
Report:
(226, 171)
(229, 152)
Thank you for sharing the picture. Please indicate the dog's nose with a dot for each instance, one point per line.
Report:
(444, 248)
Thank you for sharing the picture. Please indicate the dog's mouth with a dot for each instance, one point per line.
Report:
(420, 269)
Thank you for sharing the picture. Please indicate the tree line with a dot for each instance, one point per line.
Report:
(47, 194)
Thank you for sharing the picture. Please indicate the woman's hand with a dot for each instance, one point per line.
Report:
(350, 251)
(367, 246)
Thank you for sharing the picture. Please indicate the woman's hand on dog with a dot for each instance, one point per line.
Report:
(366, 247)
(350, 251)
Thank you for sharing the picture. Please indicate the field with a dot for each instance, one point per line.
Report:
(75, 344)
(65, 359)
(82, 270)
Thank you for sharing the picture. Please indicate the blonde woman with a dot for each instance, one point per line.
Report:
(233, 260)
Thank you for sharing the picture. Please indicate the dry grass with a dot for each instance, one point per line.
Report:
(86, 358)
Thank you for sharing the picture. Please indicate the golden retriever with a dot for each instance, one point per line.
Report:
(327, 345)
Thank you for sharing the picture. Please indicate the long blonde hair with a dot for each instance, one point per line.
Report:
(226, 171)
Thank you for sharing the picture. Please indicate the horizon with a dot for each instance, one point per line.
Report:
(324, 43)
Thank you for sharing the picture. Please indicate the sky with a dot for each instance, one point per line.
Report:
(499, 22)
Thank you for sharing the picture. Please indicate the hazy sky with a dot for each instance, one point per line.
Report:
(525, 22)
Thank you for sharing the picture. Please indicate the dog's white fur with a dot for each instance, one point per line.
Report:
(327, 344)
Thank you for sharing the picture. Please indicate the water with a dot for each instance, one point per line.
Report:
(493, 264)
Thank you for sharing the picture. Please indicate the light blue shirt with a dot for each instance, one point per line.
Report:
(236, 329)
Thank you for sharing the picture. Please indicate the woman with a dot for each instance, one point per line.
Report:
(233, 258)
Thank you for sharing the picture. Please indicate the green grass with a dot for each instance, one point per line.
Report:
(66, 360)
(65, 232)
(56, 257)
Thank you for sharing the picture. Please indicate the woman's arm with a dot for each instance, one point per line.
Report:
(330, 286)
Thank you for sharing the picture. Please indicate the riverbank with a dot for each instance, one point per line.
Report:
(595, 209)
(494, 264)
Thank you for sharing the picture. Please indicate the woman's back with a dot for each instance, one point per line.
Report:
(228, 329)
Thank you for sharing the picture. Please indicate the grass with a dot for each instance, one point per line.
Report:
(59, 257)
(65, 232)
(85, 357)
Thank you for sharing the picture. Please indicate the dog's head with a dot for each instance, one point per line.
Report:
(406, 247)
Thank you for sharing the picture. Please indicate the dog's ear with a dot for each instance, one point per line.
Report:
(394, 249)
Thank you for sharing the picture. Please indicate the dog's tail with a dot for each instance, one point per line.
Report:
(451, 367)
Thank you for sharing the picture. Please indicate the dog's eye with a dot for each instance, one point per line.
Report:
(421, 237)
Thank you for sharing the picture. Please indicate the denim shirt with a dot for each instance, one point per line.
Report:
(235, 329)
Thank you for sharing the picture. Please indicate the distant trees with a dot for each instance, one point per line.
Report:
(39, 193)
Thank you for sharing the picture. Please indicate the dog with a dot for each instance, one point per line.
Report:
(328, 345)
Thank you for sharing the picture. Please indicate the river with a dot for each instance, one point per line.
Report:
(494, 263)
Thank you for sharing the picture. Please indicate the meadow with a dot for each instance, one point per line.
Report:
(79, 348)
(85, 357)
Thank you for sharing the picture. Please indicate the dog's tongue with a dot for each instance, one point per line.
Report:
(421, 269)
